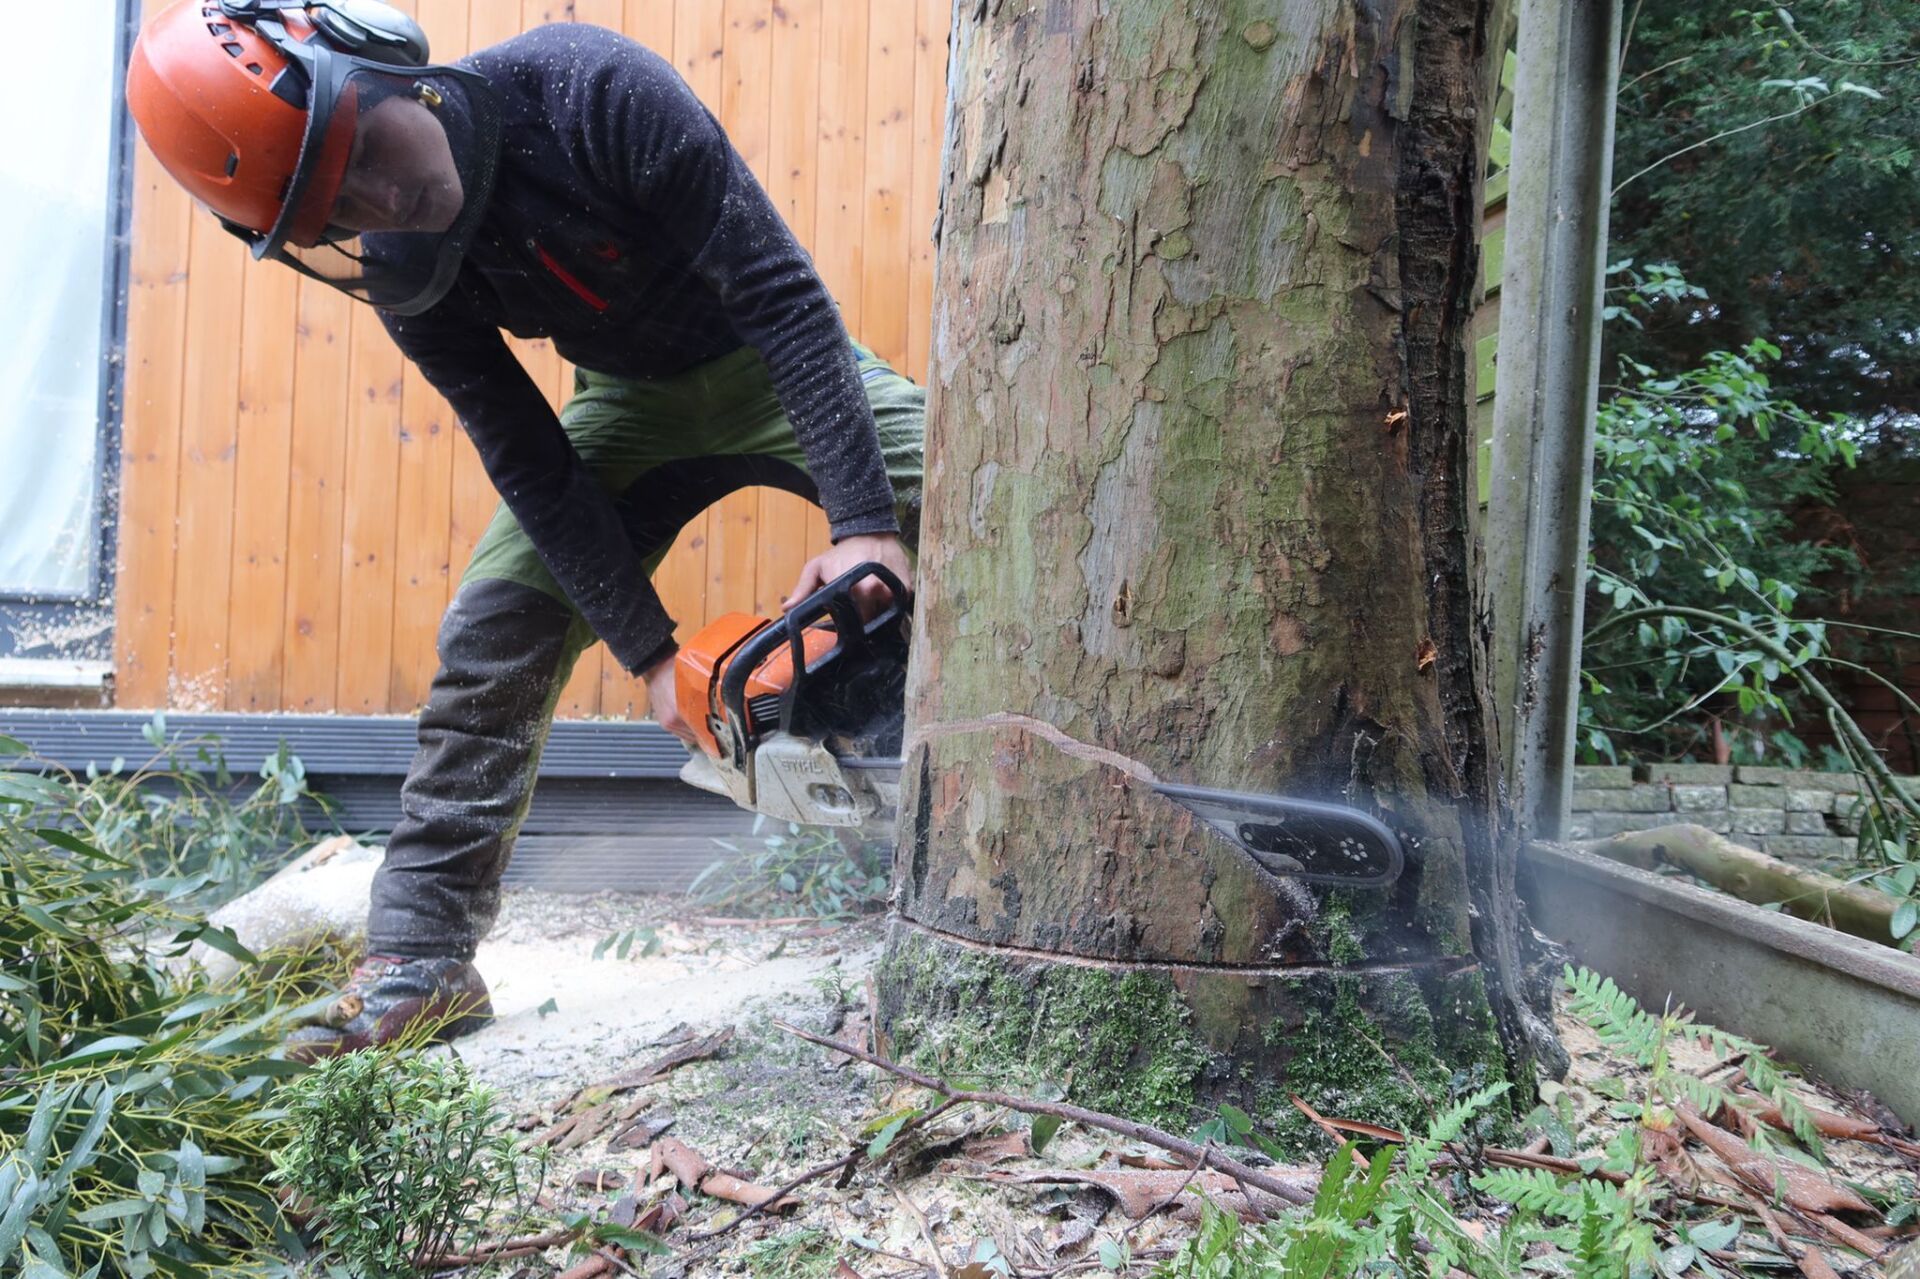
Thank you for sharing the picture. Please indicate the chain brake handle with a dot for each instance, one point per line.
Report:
(856, 635)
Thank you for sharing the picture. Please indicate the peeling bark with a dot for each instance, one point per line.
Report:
(1199, 453)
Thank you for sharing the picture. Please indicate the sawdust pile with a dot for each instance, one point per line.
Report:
(664, 1098)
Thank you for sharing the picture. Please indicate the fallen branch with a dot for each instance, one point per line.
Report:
(1840, 1232)
(592, 1109)
(1320, 1121)
(1294, 1192)
(1827, 1123)
(1804, 1190)
(691, 1051)
(500, 1250)
(1755, 877)
(1140, 1193)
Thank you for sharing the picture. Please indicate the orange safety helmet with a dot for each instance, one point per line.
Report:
(256, 107)
(225, 112)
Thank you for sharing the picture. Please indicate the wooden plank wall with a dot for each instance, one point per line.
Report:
(297, 502)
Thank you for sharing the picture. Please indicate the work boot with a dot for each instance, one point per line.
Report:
(390, 995)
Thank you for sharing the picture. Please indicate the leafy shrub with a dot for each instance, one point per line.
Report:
(185, 821)
(1695, 473)
(809, 870)
(399, 1157)
(134, 1101)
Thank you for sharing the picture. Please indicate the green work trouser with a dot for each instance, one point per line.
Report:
(665, 449)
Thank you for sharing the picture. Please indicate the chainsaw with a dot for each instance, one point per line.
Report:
(801, 718)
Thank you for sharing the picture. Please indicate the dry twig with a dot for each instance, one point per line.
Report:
(926, 1232)
(500, 1250)
(1294, 1192)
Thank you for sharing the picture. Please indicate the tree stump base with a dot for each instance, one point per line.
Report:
(1167, 1043)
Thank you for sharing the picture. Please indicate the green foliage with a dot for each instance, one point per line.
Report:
(1695, 474)
(1604, 1231)
(401, 1157)
(1399, 1213)
(1895, 872)
(182, 818)
(808, 870)
(1381, 1216)
(1638, 1035)
(134, 1100)
(1781, 141)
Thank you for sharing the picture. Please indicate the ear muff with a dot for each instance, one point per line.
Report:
(372, 30)
(367, 29)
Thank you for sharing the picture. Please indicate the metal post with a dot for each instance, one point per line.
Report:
(1565, 81)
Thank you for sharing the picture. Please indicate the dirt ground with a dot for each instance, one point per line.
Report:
(967, 1201)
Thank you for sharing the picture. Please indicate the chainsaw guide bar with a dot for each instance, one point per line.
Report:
(800, 718)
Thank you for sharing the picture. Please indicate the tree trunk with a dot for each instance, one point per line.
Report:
(1199, 495)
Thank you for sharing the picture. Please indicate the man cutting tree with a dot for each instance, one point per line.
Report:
(565, 184)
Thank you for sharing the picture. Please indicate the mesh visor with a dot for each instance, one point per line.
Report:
(394, 175)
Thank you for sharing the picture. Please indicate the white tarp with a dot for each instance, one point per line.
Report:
(55, 183)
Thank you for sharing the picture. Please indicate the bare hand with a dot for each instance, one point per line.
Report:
(661, 696)
(871, 595)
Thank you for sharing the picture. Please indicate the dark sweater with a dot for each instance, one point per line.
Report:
(626, 228)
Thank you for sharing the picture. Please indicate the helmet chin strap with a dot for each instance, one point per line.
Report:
(367, 29)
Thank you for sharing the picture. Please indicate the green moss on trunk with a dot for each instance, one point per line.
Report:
(1385, 1047)
(1168, 1045)
(1120, 1042)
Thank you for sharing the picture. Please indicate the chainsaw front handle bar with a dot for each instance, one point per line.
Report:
(833, 602)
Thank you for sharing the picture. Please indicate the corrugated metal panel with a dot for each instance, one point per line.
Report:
(608, 812)
(335, 745)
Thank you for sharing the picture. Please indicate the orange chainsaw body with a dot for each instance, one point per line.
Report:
(703, 662)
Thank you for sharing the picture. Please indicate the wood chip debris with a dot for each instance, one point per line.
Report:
(1140, 1192)
(692, 1170)
(592, 1110)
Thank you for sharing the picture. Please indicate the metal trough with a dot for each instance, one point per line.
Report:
(1848, 1009)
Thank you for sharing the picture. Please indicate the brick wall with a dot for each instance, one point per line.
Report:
(1801, 816)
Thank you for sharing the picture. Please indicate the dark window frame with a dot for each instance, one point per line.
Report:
(79, 625)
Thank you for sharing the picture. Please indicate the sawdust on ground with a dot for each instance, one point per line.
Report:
(772, 1105)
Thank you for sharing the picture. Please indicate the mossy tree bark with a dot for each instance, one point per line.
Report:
(1199, 495)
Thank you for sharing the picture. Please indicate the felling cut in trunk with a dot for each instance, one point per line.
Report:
(1199, 510)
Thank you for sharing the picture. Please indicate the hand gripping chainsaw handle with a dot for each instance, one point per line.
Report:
(855, 637)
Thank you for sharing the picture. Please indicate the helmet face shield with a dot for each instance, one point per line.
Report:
(394, 174)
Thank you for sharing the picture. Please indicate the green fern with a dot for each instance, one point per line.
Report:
(1532, 1190)
(1630, 1030)
(1592, 1258)
(1447, 1127)
(1702, 1096)
(1768, 1082)
(1621, 1023)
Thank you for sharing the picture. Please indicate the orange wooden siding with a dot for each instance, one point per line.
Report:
(297, 503)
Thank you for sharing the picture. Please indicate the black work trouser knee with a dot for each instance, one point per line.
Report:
(505, 653)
